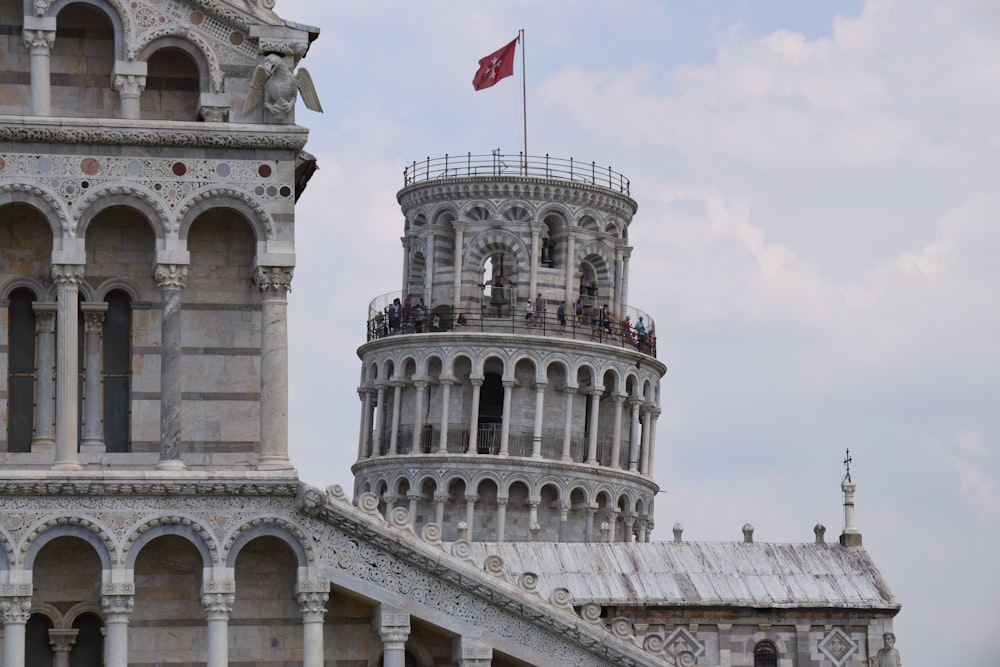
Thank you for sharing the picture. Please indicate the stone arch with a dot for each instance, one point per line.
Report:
(597, 255)
(749, 643)
(588, 221)
(491, 242)
(270, 527)
(41, 292)
(68, 526)
(113, 10)
(42, 199)
(182, 527)
(118, 283)
(78, 610)
(210, 75)
(516, 211)
(129, 195)
(444, 213)
(477, 210)
(56, 617)
(6, 551)
(228, 198)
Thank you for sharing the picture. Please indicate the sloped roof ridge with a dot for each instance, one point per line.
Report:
(480, 579)
(244, 13)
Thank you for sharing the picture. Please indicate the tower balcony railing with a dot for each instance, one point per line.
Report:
(633, 329)
(499, 165)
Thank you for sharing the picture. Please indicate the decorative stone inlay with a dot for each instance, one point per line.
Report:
(681, 641)
(838, 646)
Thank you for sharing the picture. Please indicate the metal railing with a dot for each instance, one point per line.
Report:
(498, 164)
(635, 329)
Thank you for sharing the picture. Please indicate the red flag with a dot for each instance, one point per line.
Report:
(496, 66)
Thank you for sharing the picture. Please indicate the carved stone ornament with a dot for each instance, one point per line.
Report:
(68, 274)
(41, 7)
(130, 85)
(218, 605)
(838, 647)
(171, 275)
(312, 604)
(200, 137)
(274, 280)
(15, 609)
(38, 41)
(117, 604)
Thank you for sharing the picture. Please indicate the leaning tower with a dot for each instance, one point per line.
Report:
(509, 390)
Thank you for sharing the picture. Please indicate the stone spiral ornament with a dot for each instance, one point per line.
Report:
(654, 643)
(400, 517)
(431, 532)
(529, 581)
(591, 611)
(369, 503)
(685, 659)
(560, 597)
(494, 565)
(461, 549)
(336, 491)
(621, 627)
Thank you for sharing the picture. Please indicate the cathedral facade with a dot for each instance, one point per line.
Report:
(150, 162)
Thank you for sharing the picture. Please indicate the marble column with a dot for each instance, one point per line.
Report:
(533, 527)
(629, 520)
(616, 436)
(411, 511)
(394, 629)
(406, 265)
(633, 452)
(501, 518)
(626, 254)
(61, 641)
(129, 79)
(595, 413)
(93, 427)
(45, 321)
(468, 652)
(14, 612)
(536, 231)
(439, 501)
(508, 388)
(274, 282)
(218, 606)
(312, 598)
(470, 512)
(376, 449)
(456, 298)
(568, 425)
(394, 435)
(418, 422)
(68, 278)
(647, 410)
(445, 399)
(588, 531)
(477, 384)
(429, 259)
(365, 394)
(171, 278)
(570, 273)
(563, 519)
(654, 416)
(536, 439)
(39, 34)
(619, 299)
(117, 609)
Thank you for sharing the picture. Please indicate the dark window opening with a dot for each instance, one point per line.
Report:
(20, 371)
(117, 372)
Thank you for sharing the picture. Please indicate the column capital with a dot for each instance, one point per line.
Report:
(467, 652)
(68, 274)
(117, 605)
(274, 281)
(171, 275)
(38, 41)
(45, 316)
(218, 606)
(441, 497)
(129, 85)
(15, 609)
(93, 316)
(312, 604)
(393, 628)
(62, 640)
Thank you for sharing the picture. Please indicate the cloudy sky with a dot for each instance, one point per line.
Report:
(817, 238)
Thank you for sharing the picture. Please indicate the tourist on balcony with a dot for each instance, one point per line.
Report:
(627, 330)
(561, 314)
(529, 313)
(640, 334)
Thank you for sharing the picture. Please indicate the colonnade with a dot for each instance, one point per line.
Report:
(642, 415)
(62, 317)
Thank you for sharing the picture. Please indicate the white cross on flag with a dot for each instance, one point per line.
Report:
(496, 66)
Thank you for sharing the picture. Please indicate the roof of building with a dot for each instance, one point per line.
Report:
(758, 575)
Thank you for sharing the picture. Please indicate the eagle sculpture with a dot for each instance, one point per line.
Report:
(275, 83)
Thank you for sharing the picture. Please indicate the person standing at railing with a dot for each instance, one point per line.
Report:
(627, 330)
(640, 334)
(579, 310)
(561, 314)
(529, 313)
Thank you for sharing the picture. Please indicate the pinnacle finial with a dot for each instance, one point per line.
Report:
(847, 463)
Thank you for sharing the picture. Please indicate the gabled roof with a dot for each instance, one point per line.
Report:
(736, 574)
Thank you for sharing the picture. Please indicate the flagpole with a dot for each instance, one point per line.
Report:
(524, 102)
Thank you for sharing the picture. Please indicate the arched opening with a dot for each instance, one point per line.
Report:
(168, 574)
(265, 626)
(88, 649)
(37, 649)
(490, 414)
(20, 371)
(173, 86)
(549, 515)
(484, 522)
(765, 655)
(117, 371)
(83, 57)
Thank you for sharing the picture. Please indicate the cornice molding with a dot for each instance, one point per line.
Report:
(180, 136)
